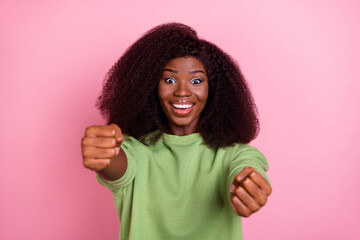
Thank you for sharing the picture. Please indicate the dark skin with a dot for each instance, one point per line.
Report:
(183, 92)
(249, 192)
(101, 151)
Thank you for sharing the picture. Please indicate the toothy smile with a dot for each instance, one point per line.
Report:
(182, 109)
(181, 106)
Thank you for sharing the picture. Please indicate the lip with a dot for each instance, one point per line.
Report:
(187, 107)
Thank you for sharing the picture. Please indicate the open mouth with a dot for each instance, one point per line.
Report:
(183, 108)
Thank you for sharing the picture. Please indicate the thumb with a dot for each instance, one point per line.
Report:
(118, 133)
(243, 174)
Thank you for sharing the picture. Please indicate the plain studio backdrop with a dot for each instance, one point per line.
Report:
(301, 59)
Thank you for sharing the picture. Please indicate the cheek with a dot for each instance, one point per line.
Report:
(163, 98)
(203, 94)
(160, 93)
(163, 92)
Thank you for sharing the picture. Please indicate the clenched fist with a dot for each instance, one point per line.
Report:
(249, 192)
(100, 145)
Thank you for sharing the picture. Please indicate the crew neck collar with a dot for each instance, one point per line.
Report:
(182, 139)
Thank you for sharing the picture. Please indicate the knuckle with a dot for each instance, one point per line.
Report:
(104, 153)
(246, 181)
(113, 142)
(86, 164)
(113, 152)
(88, 130)
(112, 127)
(255, 208)
(263, 201)
(238, 191)
(85, 152)
(84, 141)
(246, 214)
(109, 152)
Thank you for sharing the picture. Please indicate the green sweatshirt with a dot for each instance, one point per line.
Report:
(178, 188)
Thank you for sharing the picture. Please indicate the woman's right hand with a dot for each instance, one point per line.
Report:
(99, 145)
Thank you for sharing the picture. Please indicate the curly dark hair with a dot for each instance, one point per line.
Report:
(129, 96)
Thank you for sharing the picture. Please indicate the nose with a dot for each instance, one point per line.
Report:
(182, 89)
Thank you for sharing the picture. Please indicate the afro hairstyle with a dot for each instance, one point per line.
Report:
(129, 95)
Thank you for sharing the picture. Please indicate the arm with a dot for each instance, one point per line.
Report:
(101, 151)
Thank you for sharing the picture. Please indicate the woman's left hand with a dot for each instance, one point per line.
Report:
(249, 192)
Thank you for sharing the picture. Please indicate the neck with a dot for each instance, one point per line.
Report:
(181, 130)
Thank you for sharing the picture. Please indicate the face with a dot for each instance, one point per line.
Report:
(183, 92)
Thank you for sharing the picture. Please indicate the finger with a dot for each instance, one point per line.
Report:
(233, 204)
(117, 150)
(234, 185)
(246, 199)
(91, 152)
(240, 177)
(261, 182)
(96, 164)
(99, 142)
(100, 131)
(254, 191)
(243, 174)
(239, 207)
(118, 133)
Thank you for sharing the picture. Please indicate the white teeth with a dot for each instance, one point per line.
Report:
(182, 106)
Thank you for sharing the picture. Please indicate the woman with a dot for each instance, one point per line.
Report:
(182, 169)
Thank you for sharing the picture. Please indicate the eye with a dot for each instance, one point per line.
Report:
(196, 81)
(170, 80)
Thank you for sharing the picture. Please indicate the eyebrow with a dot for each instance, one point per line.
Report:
(196, 71)
(175, 71)
(170, 70)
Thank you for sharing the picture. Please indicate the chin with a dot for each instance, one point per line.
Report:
(182, 122)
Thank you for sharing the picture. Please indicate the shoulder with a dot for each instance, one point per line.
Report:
(246, 150)
(244, 154)
(239, 149)
(144, 142)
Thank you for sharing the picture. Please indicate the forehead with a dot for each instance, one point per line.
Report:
(185, 64)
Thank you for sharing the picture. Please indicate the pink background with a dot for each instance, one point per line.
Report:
(302, 59)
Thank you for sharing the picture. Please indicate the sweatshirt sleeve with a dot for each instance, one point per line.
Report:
(246, 156)
(129, 148)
